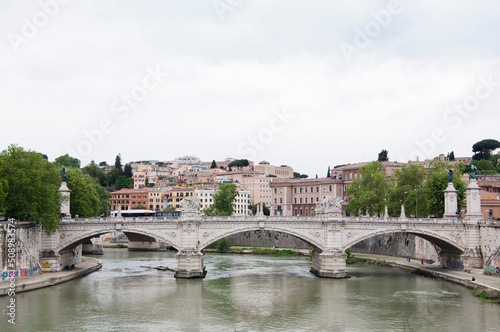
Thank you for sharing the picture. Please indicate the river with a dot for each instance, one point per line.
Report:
(248, 293)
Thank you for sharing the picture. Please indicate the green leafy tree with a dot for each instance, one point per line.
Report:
(128, 171)
(452, 156)
(437, 182)
(369, 191)
(223, 245)
(407, 188)
(67, 161)
(483, 148)
(383, 156)
(103, 164)
(95, 172)
(297, 175)
(139, 207)
(4, 188)
(84, 199)
(328, 172)
(265, 209)
(223, 201)
(485, 165)
(104, 196)
(214, 164)
(239, 163)
(31, 185)
(124, 182)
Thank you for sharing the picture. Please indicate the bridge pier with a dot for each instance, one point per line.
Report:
(190, 265)
(329, 264)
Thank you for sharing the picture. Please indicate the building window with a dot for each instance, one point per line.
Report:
(295, 200)
(294, 190)
(330, 188)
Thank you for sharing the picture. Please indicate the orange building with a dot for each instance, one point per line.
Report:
(127, 199)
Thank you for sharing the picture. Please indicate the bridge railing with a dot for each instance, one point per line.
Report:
(353, 219)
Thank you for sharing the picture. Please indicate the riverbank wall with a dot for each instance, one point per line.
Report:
(434, 271)
(48, 279)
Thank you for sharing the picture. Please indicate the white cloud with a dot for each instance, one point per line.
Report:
(225, 77)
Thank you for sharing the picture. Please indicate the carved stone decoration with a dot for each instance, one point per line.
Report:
(205, 234)
(330, 206)
(317, 234)
(191, 208)
(173, 234)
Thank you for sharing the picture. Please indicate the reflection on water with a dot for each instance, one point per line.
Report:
(248, 293)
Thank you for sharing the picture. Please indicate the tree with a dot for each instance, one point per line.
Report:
(128, 171)
(103, 164)
(265, 209)
(223, 201)
(271, 176)
(84, 199)
(223, 245)
(96, 173)
(407, 188)
(451, 157)
(67, 161)
(4, 188)
(482, 149)
(437, 182)
(369, 191)
(214, 164)
(383, 156)
(31, 185)
(485, 165)
(297, 175)
(124, 182)
(239, 163)
(118, 162)
(139, 207)
(328, 172)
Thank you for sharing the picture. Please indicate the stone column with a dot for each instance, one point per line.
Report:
(450, 201)
(190, 265)
(329, 264)
(473, 193)
(49, 259)
(65, 192)
(403, 214)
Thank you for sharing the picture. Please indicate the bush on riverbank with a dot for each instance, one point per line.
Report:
(277, 252)
(490, 295)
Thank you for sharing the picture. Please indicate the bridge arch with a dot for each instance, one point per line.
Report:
(73, 241)
(315, 242)
(437, 238)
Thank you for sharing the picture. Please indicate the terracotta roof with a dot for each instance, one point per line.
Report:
(132, 191)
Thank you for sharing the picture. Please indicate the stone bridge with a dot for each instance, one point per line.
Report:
(329, 233)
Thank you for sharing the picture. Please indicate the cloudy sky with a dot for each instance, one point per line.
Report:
(309, 84)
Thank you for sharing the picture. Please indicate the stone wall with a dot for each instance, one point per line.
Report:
(27, 249)
(491, 248)
(396, 244)
(267, 239)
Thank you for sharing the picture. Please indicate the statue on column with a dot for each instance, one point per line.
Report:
(473, 172)
(450, 175)
(63, 175)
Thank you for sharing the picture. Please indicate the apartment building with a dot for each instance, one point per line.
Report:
(299, 197)
(127, 199)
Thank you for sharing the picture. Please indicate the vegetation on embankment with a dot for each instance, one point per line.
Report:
(489, 295)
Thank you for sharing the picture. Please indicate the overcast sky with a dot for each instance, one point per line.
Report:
(310, 84)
